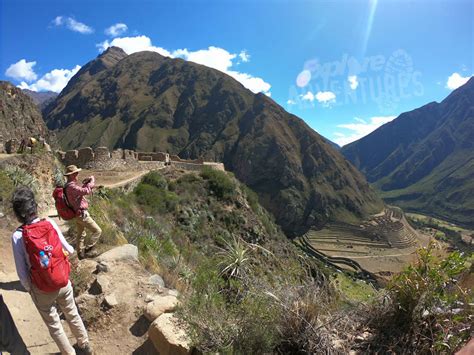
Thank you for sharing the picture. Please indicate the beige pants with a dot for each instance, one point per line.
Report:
(83, 223)
(46, 304)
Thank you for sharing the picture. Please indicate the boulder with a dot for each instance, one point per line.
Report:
(110, 301)
(156, 280)
(167, 337)
(174, 293)
(103, 266)
(124, 252)
(100, 285)
(160, 305)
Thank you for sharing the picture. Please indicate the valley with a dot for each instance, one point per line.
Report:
(383, 244)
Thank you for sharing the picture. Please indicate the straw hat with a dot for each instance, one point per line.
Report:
(71, 169)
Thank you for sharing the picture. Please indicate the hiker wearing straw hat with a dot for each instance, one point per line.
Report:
(75, 193)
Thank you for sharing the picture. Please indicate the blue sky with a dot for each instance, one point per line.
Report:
(345, 67)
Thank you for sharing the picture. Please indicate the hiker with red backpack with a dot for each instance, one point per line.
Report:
(41, 259)
(72, 205)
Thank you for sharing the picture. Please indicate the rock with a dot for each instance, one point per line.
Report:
(156, 280)
(174, 293)
(124, 252)
(88, 264)
(85, 298)
(110, 301)
(167, 337)
(161, 305)
(1, 215)
(100, 285)
(150, 298)
(103, 266)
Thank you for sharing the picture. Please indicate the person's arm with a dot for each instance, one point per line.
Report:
(65, 244)
(21, 264)
(86, 189)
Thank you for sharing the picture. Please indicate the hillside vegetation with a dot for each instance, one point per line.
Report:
(424, 159)
(148, 102)
(245, 288)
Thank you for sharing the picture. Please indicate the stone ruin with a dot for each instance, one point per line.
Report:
(103, 159)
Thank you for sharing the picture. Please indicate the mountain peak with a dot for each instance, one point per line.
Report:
(149, 102)
(115, 52)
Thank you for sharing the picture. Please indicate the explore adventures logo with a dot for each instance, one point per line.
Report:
(380, 79)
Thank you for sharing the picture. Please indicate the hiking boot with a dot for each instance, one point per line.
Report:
(86, 349)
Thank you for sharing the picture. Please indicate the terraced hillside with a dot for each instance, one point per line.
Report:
(384, 242)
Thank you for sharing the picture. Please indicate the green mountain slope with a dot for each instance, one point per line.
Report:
(424, 159)
(147, 102)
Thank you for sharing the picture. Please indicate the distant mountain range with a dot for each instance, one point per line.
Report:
(148, 102)
(41, 99)
(19, 116)
(424, 159)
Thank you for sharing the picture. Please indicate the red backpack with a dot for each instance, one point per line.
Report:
(65, 211)
(42, 236)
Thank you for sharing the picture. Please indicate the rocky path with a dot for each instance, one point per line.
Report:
(29, 323)
(118, 330)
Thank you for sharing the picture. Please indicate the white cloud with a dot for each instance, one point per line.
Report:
(326, 98)
(360, 129)
(244, 56)
(308, 96)
(55, 80)
(213, 57)
(133, 44)
(116, 30)
(291, 102)
(22, 70)
(72, 24)
(253, 83)
(456, 80)
(353, 82)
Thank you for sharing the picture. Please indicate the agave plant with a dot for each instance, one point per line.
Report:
(21, 177)
(235, 262)
(58, 177)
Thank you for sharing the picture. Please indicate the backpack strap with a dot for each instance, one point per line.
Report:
(65, 197)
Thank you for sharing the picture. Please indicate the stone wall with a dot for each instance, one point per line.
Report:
(121, 159)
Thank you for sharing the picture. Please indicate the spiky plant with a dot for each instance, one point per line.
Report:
(235, 262)
(58, 177)
(21, 177)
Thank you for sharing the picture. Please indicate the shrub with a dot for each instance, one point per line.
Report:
(155, 179)
(218, 323)
(155, 199)
(426, 311)
(6, 188)
(220, 184)
(20, 177)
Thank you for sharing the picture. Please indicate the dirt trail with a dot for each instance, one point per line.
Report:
(29, 323)
(27, 319)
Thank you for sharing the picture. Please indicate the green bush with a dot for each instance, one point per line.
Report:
(6, 188)
(220, 184)
(221, 322)
(155, 179)
(156, 200)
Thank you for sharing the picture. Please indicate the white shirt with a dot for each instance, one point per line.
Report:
(22, 261)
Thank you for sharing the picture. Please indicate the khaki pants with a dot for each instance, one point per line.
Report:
(46, 304)
(82, 223)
